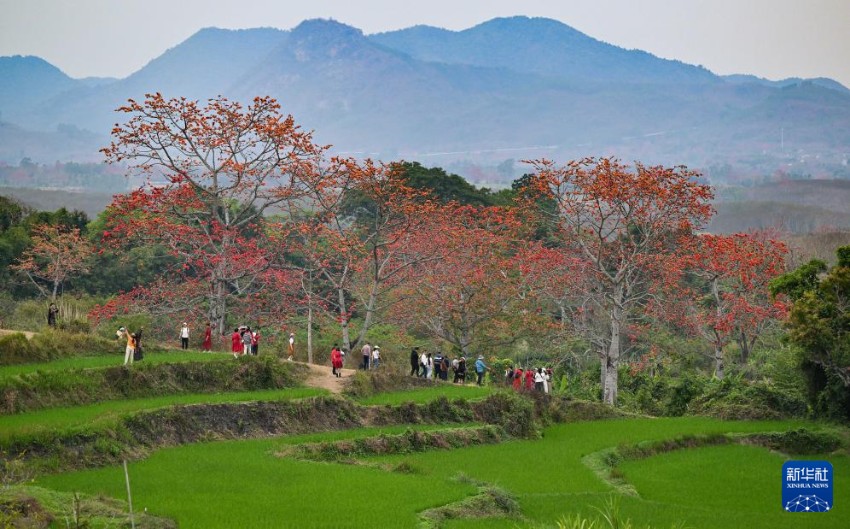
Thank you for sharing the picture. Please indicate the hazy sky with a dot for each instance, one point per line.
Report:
(769, 38)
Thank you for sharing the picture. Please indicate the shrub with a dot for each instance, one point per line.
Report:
(16, 349)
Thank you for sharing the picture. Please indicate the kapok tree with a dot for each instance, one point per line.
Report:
(470, 291)
(353, 232)
(730, 299)
(56, 254)
(625, 221)
(214, 170)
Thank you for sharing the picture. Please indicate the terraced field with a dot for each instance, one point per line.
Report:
(408, 459)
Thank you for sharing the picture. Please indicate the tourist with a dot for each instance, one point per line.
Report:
(546, 378)
(207, 345)
(138, 354)
(444, 369)
(518, 379)
(255, 342)
(52, 312)
(438, 365)
(235, 343)
(529, 379)
(480, 369)
(414, 361)
(538, 380)
(376, 357)
(130, 351)
(184, 336)
(366, 351)
(247, 336)
(423, 365)
(460, 371)
(291, 346)
(336, 361)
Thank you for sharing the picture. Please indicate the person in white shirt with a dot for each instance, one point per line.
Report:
(538, 379)
(184, 336)
(291, 346)
(376, 357)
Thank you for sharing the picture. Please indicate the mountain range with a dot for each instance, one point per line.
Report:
(509, 88)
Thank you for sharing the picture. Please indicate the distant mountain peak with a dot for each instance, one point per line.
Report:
(325, 27)
(320, 37)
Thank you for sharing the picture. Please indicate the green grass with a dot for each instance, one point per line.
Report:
(84, 417)
(94, 362)
(424, 395)
(240, 484)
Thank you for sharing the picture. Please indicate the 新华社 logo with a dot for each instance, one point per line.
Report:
(807, 486)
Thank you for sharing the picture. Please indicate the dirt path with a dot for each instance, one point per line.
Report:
(321, 377)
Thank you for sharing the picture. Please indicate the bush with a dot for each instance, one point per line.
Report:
(49, 345)
(16, 349)
(738, 399)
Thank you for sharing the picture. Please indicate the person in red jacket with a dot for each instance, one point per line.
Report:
(336, 361)
(518, 379)
(236, 343)
(529, 379)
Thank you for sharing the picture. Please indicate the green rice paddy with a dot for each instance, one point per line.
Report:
(243, 484)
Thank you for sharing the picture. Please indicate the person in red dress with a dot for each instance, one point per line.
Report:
(529, 379)
(207, 345)
(336, 361)
(518, 379)
(236, 343)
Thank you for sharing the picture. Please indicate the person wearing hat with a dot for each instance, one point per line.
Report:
(480, 369)
(184, 336)
(376, 357)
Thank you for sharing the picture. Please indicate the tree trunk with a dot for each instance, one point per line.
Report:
(744, 344)
(612, 359)
(218, 308)
(343, 321)
(309, 331)
(718, 343)
(719, 368)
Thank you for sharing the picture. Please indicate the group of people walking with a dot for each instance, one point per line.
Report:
(529, 379)
(435, 365)
(371, 356)
(245, 341)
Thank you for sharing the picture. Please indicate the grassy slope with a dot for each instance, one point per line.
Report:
(93, 362)
(240, 484)
(83, 417)
(423, 395)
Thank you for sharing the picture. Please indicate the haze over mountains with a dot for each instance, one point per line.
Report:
(508, 88)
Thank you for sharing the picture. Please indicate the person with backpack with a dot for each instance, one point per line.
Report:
(460, 371)
(247, 336)
(438, 365)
